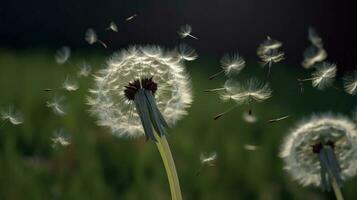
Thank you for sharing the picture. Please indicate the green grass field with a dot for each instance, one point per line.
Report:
(99, 166)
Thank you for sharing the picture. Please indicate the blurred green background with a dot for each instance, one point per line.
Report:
(99, 166)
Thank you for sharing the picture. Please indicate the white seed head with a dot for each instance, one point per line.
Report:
(57, 105)
(324, 75)
(297, 151)
(14, 116)
(313, 55)
(252, 90)
(350, 83)
(113, 107)
(91, 36)
(70, 84)
(232, 63)
(62, 55)
(60, 138)
(85, 70)
(208, 159)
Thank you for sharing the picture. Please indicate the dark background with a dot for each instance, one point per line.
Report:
(222, 26)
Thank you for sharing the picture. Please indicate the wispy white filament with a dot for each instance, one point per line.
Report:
(14, 116)
(350, 83)
(232, 63)
(57, 105)
(324, 75)
(60, 138)
(185, 31)
(70, 84)
(208, 159)
(62, 55)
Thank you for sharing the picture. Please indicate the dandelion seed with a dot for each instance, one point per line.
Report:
(250, 147)
(85, 70)
(268, 45)
(324, 75)
(12, 115)
(185, 31)
(350, 82)
(60, 138)
(142, 92)
(314, 38)
(187, 53)
(312, 56)
(113, 27)
(208, 159)
(131, 17)
(91, 37)
(249, 118)
(70, 84)
(269, 52)
(57, 105)
(230, 64)
(279, 119)
(62, 55)
(322, 151)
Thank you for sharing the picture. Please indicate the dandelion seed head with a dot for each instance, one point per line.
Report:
(14, 116)
(297, 150)
(313, 55)
(252, 90)
(324, 75)
(60, 138)
(70, 84)
(91, 36)
(232, 63)
(150, 67)
(350, 83)
(57, 105)
(208, 159)
(62, 55)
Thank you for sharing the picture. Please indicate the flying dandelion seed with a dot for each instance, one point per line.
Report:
(92, 38)
(60, 138)
(112, 27)
(251, 91)
(12, 115)
(313, 55)
(230, 64)
(187, 53)
(249, 118)
(62, 55)
(131, 17)
(314, 38)
(279, 119)
(322, 151)
(85, 70)
(57, 105)
(185, 31)
(267, 45)
(324, 75)
(70, 84)
(350, 83)
(250, 147)
(142, 92)
(269, 52)
(208, 159)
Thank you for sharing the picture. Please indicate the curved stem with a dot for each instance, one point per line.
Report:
(170, 168)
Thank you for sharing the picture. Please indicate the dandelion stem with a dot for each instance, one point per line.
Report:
(215, 75)
(170, 168)
(336, 188)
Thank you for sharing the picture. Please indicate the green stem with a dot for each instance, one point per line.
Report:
(170, 168)
(336, 188)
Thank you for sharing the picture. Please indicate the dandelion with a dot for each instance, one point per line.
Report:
(91, 37)
(113, 27)
(70, 84)
(143, 88)
(60, 138)
(250, 147)
(12, 115)
(187, 53)
(230, 64)
(324, 75)
(321, 151)
(57, 105)
(269, 52)
(62, 55)
(313, 55)
(131, 17)
(251, 91)
(85, 70)
(185, 31)
(350, 82)
(249, 117)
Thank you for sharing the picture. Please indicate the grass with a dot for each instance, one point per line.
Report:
(99, 165)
